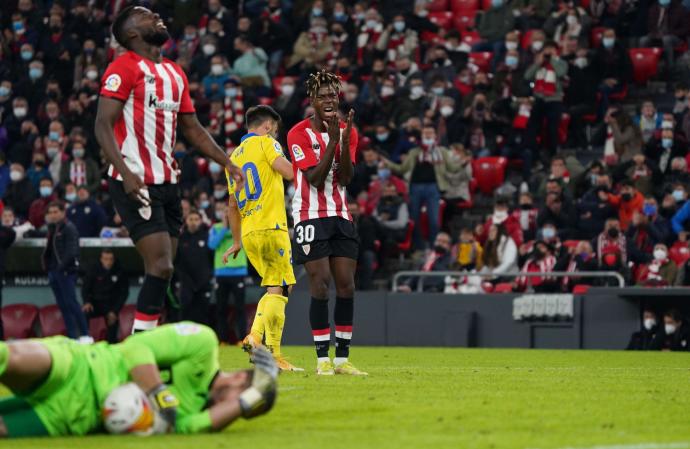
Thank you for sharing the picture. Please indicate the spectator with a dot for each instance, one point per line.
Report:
(194, 270)
(569, 22)
(467, 254)
(86, 214)
(667, 27)
(288, 103)
(61, 260)
(661, 271)
(614, 68)
(502, 217)
(229, 277)
(500, 252)
(649, 120)
(215, 80)
(493, 25)
(611, 241)
(104, 291)
(627, 139)
(530, 14)
(33, 86)
(392, 217)
(7, 238)
(250, 67)
(39, 206)
(427, 166)
(368, 247)
(4, 174)
(628, 202)
(680, 221)
(81, 169)
(526, 215)
(397, 39)
(641, 172)
(542, 260)
(642, 340)
(664, 149)
(38, 170)
(559, 213)
(20, 193)
(458, 190)
(675, 335)
(312, 48)
(439, 259)
(581, 258)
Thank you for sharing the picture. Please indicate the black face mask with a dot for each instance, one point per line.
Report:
(439, 249)
(156, 38)
(626, 197)
(613, 233)
(525, 206)
(55, 29)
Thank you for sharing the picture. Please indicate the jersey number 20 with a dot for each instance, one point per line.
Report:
(250, 172)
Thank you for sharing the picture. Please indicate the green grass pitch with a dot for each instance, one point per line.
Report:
(455, 398)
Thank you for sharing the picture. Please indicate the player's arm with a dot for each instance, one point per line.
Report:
(346, 168)
(277, 160)
(109, 111)
(235, 222)
(199, 137)
(317, 175)
(284, 167)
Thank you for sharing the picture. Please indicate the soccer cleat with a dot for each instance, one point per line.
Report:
(325, 368)
(349, 368)
(251, 342)
(285, 365)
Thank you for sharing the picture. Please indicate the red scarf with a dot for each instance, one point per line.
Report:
(606, 245)
(234, 116)
(545, 83)
(430, 154)
(522, 117)
(544, 265)
(77, 173)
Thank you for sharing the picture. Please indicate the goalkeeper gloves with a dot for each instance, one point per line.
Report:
(165, 403)
(260, 396)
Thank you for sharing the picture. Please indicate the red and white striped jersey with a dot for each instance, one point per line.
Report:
(306, 146)
(153, 95)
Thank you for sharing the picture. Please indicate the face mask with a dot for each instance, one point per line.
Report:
(71, 197)
(217, 69)
(423, 13)
(54, 136)
(340, 16)
(79, 154)
(500, 216)
(649, 210)
(584, 256)
(399, 26)
(208, 49)
(416, 91)
(387, 91)
(511, 61)
(571, 20)
(649, 323)
(317, 12)
(511, 45)
(89, 51)
(437, 90)
(371, 23)
(613, 233)
(231, 92)
(18, 26)
(27, 55)
(626, 197)
(464, 79)
(580, 62)
(204, 204)
(678, 195)
(92, 74)
(381, 137)
(659, 254)
(214, 167)
(608, 42)
(664, 2)
(666, 124)
(16, 175)
(666, 142)
(287, 89)
(52, 152)
(189, 37)
(428, 142)
(219, 194)
(548, 233)
(440, 249)
(496, 3)
(537, 45)
(447, 111)
(359, 16)
(4, 91)
(383, 173)
(35, 73)
(593, 179)
(670, 329)
(46, 191)
(525, 206)
(219, 215)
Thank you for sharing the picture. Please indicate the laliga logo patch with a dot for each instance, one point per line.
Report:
(278, 148)
(113, 83)
(297, 152)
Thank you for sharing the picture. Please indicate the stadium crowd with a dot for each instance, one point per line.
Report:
(530, 112)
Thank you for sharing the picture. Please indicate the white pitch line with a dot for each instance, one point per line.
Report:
(677, 445)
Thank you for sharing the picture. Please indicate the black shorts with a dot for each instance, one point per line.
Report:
(166, 210)
(324, 237)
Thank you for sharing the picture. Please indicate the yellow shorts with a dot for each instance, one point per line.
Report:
(270, 252)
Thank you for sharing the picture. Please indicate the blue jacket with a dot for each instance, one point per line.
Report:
(4, 179)
(679, 219)
(219, 240)
(88, 217)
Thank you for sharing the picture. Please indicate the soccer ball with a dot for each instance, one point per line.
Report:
(127, 409)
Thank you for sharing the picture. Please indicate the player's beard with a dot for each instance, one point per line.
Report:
(156, 37)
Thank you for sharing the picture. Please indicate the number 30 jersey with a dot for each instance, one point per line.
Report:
(262, 199)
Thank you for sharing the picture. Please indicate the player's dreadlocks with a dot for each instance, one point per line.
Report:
(320, 79)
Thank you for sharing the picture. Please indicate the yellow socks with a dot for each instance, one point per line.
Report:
(274, 320)
(258, 327)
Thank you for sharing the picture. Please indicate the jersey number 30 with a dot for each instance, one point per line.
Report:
(251, 173)
(304, 234)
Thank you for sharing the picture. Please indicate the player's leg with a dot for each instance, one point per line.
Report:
(23, 365)
(253, 246)
(319, 280)
(157, 251)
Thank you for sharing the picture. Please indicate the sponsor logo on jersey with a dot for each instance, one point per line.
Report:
(150, 79)
(113, 83)
(187, 328)
(297, 152)
(316, 147)
(155, 103)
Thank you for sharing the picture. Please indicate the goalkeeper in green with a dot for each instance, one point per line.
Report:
(60, 386)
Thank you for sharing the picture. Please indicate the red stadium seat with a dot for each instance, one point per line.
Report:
(51, 321)
(571, 243)
(464, 21)
(430, 38)
(98, 328)
(266, 101)
(443, 19)
(679, 253)
(482, 60)
(486, 5)
(489, 172)
(503, 287)
(437, 5)
(126, 320)
(581, 289)
(471, 37)
(595, 36)
(406, 244)
(645, 62)
(563, 127)
(18, 320)
(460, 6)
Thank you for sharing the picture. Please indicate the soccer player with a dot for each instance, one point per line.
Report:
(60, 385)
(257, 214)
(143, 98)
(325, 239)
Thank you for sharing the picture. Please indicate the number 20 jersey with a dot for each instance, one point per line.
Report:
(262, 199)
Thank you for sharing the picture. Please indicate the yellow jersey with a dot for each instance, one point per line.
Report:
(262, 200)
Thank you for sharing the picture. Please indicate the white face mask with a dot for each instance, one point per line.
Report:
(428, 142)
(20, 112)
(288, 89)
(217, 69)
(669, 328)
(447, 111)
(649, 323)
(659, 254)
(16, 175)
(208, 49)
(416, 91)
(511, 45)
(52, 151)
(92, 74)
(581, 62)
(500, 216)
(666, 124)
(572, 20)
(218, 194)
(387, 91)
(537, 45)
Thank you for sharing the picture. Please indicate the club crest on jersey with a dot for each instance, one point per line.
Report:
(150, 79)
(306, 249)
(155, 103)
(297, 152)
(113, 82)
